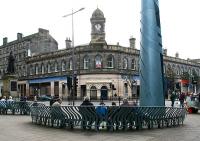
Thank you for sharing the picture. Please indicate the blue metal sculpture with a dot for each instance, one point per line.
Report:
(151, 61)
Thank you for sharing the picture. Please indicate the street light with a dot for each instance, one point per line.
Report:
(73, 62)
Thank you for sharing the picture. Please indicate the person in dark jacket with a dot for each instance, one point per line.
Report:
(86, 102)
(182, 99)
(89, 107)
(173, 98)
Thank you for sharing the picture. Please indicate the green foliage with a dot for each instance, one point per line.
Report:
(185, 76)
(195, 76)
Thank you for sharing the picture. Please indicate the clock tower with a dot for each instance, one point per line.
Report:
(98, 27)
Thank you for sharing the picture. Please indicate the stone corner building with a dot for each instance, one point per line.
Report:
(103, 71)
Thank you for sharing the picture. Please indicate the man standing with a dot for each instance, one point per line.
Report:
(182, 99)
(173, 98)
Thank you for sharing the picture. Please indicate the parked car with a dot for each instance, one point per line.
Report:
(44, 98)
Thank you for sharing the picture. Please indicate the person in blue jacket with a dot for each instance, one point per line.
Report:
(102, 113)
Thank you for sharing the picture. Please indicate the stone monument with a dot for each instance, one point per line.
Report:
(10, 78)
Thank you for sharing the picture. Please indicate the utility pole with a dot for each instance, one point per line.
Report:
(73, 59)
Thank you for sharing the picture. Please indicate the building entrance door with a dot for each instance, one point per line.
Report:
(104, 93)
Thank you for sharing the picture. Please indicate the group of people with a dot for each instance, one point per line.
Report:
(180, 96)
(101, 110)
(4, 98)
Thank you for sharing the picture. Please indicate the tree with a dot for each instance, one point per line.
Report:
(185, 76)
(170, 76)
(195, 77)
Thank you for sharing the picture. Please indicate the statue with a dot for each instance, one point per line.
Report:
(11, 66)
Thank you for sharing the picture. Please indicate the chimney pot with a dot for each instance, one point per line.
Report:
(5, 40)
(132, 42)
(19, 36)
(68, 43)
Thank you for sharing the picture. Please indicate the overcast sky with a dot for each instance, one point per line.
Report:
(180, 24)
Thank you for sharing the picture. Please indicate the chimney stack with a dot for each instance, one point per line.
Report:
(177, 55)
(132, 42)
(165, 52)
(68, 43)
(5, 40)
(43, 31)
(19, 36)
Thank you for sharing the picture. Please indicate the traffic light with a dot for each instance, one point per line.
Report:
(75, 84)
(110, 85)
(113, 87)
(69, 83)
(178, 86)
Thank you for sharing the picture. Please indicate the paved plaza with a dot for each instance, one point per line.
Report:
(20, 128)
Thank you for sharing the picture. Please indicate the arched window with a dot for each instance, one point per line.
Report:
(182, 70)
(31, 70)
(48, 68)
(110, 61)
(133, 66)
(98, 61)
(63, 65)
(56, 66)
(126, 89)
(125, 63)
(197, 70)
(93, 93)
(189, 71)
(86, 62)
(42, 69)
(178, 70)
(36, 69)
(19, 72)
(24, 71)
(70, 64)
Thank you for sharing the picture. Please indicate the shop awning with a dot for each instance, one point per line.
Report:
(47, 79)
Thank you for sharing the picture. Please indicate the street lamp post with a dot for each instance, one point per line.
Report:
(73, 59)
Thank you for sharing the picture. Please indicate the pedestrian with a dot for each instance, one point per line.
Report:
(199, 97)
(86, 102)
(173, 98)
(57, 103)
(102, 113)
(182, 99)
(57, 114)
(86, 105)
(35, 101)
(52, 100)
(125, 102)
(113, 103)
(112, 111)
(3, 98)
(10, 99)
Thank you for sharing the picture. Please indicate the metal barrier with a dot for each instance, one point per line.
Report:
(16, 107)
(113, 118)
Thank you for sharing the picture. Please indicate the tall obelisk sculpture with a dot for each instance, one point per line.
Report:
(151, 59)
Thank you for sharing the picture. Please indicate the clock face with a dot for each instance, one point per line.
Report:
(98, 27)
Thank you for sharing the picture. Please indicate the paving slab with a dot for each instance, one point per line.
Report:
(20, 128)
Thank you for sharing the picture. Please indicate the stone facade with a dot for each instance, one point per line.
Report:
(98, 66)
(24, 47)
